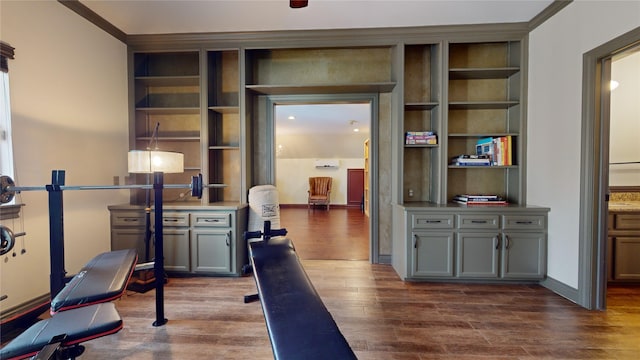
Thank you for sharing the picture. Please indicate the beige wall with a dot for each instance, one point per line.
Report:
(554, 118)
(69, 108)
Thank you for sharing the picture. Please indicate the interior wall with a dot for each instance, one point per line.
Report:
(554, 118)
(625, 122)
(296, 157)
(69, 111)
(292, 179)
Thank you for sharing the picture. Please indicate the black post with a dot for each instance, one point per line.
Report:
(56, 232)
(159, 258)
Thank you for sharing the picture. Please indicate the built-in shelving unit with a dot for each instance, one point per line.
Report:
(167, 92)
(223, 123)
(484, 87)
(422, 112)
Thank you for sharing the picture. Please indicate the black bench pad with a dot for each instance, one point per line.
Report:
(299, 324)
(79, 325)
(102, 279)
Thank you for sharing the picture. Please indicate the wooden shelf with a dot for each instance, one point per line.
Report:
(482, 73)
(421, 145)
(169, 110)
(481, 105)
(170, 138)
(483, 135)
(420, 105)
(225, 109)
(168, 80)
(482, 166)
(224, 147)
(382, 87)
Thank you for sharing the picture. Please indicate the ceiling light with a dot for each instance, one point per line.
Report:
(356, 130)
(614, 84)
(291, 117)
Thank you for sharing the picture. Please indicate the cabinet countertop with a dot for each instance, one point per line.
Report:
(416, 206)
(230, 205)
(624, 206)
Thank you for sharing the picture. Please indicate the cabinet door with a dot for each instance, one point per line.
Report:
(524, 255)
(176, 250)
(432, 254)
(477, 254)
(211, 251)
(626, 252)
(130, 239)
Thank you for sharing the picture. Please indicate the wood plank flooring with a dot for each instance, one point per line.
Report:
(380, 316)
(318, 234)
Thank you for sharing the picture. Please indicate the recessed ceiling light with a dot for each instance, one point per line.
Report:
(614, 84)
(356, 130)
(291, 117)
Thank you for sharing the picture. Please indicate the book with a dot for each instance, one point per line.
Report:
(484, 146)
(479, 199)
(421, 137)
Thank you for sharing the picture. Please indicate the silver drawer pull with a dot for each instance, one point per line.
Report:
(130, 220)
(171, 220)
(433, 221)
(211, 220)
(524, 222)
(478, 221)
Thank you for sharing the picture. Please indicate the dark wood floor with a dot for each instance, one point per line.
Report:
(318, 234)
(380, 316)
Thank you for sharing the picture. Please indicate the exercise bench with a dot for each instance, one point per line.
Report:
(77, 326)
(81, 311)
(299, 324)
(104, 278)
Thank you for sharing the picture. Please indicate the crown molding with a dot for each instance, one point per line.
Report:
(94, 18)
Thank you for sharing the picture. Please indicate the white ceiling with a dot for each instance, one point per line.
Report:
(322, 118)
(192, 16)
(188, 16)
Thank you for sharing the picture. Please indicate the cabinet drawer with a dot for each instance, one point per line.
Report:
(212, 219)
(482, 221)
(627, 221)
(127, 219)
(432, 221)
(524, 222)
(175, 219)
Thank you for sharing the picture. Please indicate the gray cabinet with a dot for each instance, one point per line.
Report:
(211, 251)
(432, 254)
(470, 243)
(197, 239)
(431, 245)
(127, 232)
(523, 255)
(478, 254)
(624, 246)
(212, 248)
(176, 250)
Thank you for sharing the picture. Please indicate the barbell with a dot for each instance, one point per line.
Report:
(8, 188)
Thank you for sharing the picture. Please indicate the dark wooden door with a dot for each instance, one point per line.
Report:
(355, 187)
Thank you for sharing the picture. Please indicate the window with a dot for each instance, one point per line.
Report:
(6, 147)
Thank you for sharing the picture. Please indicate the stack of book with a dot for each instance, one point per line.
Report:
(471, 160)
(479, 200)
(499, 149)
(421, 138)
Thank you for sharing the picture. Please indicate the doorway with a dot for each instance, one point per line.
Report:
(592, 281)
(311, 130)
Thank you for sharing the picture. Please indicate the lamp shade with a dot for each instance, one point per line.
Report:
(150, 161)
